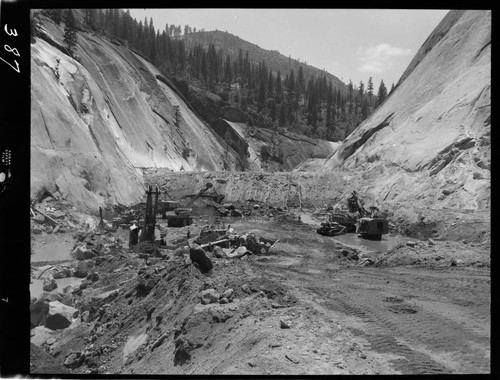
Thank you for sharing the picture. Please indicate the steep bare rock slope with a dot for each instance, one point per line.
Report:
(273, 150)
(429, 143)
(97, 119)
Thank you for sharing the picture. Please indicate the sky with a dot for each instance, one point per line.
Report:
(352, 44)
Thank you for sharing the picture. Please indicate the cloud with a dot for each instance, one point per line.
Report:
(379, 58)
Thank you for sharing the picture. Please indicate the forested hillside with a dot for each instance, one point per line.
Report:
(273, 90)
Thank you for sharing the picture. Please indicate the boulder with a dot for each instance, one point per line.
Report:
(106, 297)
(59, 275)
(74, 360)
(67, 300)
(228, 293)
(209, 296)
(218, 252)
(284, 325)
(98, 249)
(238, 252)
(38, 312)
(83, 268)
(85, 316)
(236, 213)
(49, 284)
(252, 243)
(198, 255)
(93, 276)
(223, 211)
(410, 243)
(79, 252)
(89, 254)
(60, 315)
(57, 214)
(39, 218)
(41, 335)
(50, 297)
(51, 341)
(181, 251)
(36, 230)
(246, 288)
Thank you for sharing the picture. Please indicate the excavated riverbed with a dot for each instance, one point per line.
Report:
(411, 310)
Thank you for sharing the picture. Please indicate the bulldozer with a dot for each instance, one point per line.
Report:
(367, 224)
(182, 215)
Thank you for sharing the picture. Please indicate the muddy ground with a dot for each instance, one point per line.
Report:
(311, 305)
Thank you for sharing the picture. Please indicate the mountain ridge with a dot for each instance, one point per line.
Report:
(273, 58)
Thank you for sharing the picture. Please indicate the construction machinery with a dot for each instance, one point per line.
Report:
(329, 228)
(182, 215)
(148, 229)
(370, 225)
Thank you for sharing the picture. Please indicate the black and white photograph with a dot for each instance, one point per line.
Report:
(232, 191)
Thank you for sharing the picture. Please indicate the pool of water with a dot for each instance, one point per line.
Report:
(52, 248)
(352, 240)
(36, 287)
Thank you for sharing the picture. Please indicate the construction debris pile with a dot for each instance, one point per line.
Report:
(247, 208)
(54, 214)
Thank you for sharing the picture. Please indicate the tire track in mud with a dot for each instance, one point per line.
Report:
(382, 331)
(475, 298)
(415, 327)
(423, 338)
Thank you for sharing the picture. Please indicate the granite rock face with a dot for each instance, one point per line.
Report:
(433, 131)
(98, 118)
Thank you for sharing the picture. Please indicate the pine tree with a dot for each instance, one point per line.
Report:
(282, 114)
(273, 110)
(279, 94)
(364, 108)
(369, 90)
(301, 82)
(116, 22)
(70, 37)
(90, 16)
(382, 93)
(228, 75)
(361, 90)
(56, 15)
(270, 85)
(262, 95)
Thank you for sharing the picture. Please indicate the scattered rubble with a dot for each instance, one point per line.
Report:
(59, 315)
(124, 286)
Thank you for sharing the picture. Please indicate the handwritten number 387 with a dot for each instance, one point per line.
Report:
(8, 49)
